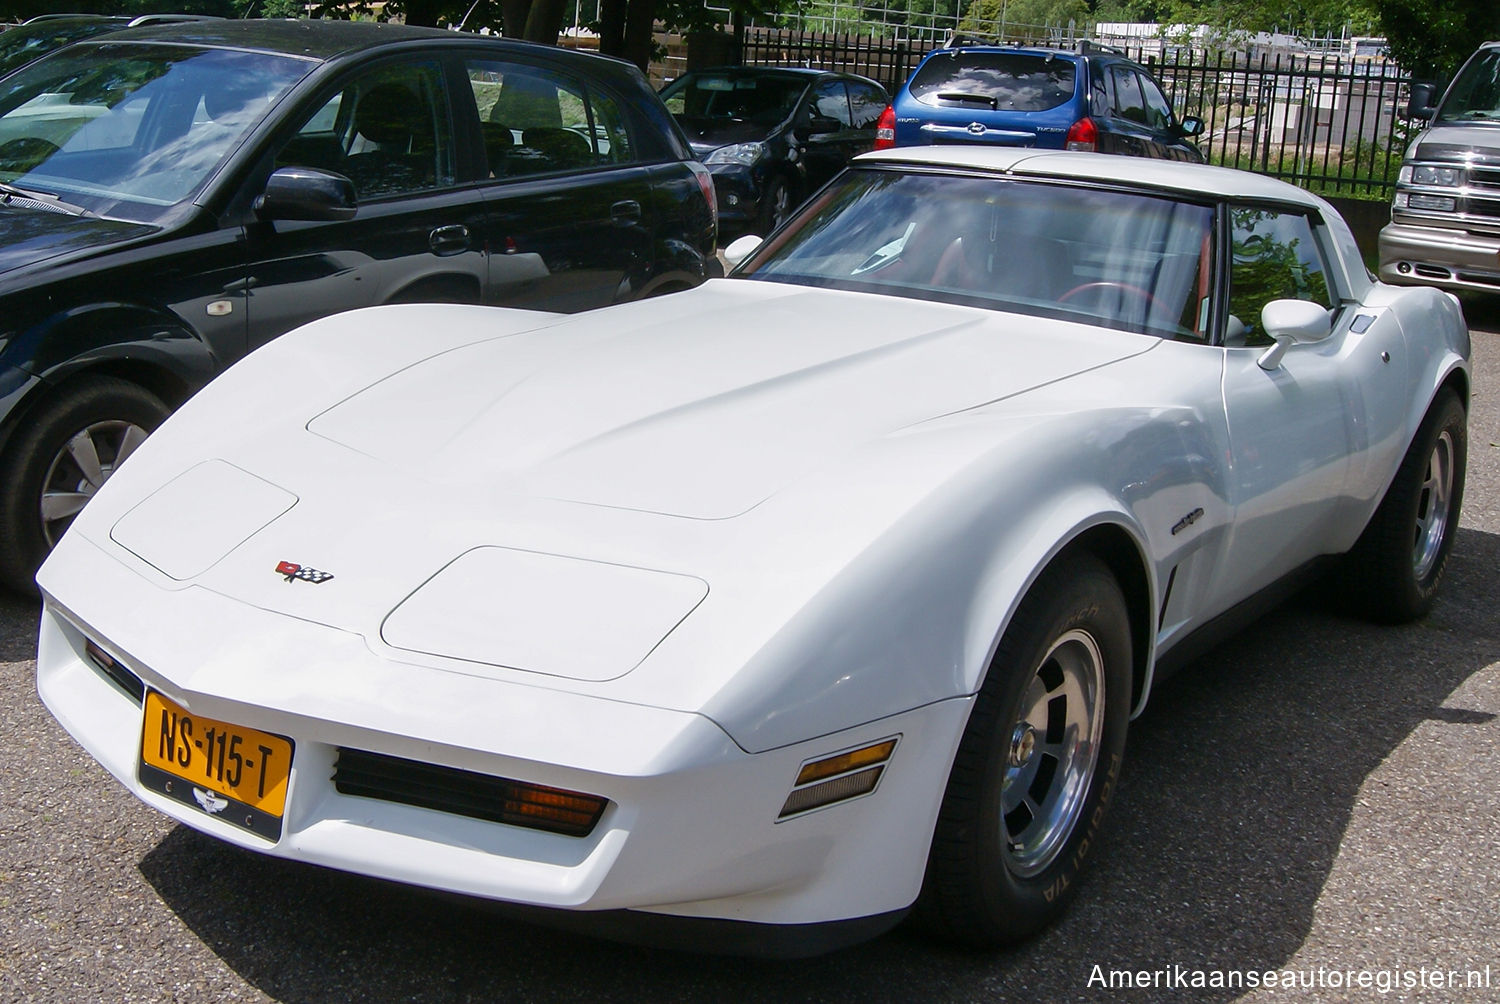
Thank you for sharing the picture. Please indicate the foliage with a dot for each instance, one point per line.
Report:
(1306, 17)
(985, 15)
(1431, 39)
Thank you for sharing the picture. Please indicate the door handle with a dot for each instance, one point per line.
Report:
(625, 212)
(451, 239)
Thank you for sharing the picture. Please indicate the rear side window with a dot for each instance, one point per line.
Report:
(1005, 81)
(536, 121)
(1128, 101)
(830, 101)
(866, 103)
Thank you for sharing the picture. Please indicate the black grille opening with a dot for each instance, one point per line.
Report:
(466, 793)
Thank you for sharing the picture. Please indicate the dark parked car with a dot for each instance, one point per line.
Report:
(773, 136)
(1092, 99)
(173, 197)
(40, 35)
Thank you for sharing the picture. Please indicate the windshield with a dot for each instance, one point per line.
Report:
(19, 46)
(1005, 81)
(1475, 96)
(1122, 260)
(129, 130)
(766, 99)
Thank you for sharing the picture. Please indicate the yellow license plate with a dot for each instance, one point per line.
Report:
(236, 773)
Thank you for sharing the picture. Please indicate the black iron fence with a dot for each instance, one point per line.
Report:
(1336, 126)
(885, 60)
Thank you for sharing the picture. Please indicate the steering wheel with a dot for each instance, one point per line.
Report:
(1124, 287)
(25, 153)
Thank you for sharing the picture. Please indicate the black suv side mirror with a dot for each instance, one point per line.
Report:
(307, 193)
(1419, 106)
(1191, 125)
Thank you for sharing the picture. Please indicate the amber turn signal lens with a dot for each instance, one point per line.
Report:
(845, 762)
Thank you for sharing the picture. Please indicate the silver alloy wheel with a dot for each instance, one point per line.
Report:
(1434, 507)
(80, 469)
(1054, 750)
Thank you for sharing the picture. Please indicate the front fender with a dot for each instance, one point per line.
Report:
(897, 575)
(83, 336)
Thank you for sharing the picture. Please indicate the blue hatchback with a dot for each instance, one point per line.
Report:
(1092, 99)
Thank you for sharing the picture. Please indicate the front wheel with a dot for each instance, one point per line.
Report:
(61, 455)
(775, 205)
(1037, 765)
(1395, 568)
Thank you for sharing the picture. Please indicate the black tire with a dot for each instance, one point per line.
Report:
(995, 876)
(1393, 572)
(775, 205)
(112, 415)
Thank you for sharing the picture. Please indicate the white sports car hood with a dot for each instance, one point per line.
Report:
(706, 413)
(556, 495)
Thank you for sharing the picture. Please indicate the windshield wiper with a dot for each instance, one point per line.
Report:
(38, 200)
(970, 96)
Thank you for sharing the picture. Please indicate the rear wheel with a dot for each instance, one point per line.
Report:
(1394, 570)
(1037, 765)
(61, 456)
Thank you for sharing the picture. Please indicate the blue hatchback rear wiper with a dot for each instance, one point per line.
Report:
(986, 99)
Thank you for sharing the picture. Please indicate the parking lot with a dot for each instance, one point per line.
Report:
(1318, 796)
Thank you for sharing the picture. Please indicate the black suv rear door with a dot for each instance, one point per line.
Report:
(566, 200)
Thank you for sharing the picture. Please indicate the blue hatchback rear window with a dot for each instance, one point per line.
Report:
(1003, 81)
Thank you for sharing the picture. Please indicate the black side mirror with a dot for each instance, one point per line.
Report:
(307, 193)
(1419, 106)
(1191, 125)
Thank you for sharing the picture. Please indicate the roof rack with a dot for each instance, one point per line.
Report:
(957, 40)
(136, 21)
(170, 19)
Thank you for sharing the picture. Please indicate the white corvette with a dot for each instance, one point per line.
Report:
(774, 609)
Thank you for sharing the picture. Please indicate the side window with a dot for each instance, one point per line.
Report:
(1158, 109)
(830, 101)
(1273, 256)
(1098, 93)
(535, 121)
(865, 105)
(611, 137)
(1128, 101)
(387, 130)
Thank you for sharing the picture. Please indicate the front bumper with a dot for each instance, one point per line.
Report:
(691, 829)
(738, 190)
(1435, 256)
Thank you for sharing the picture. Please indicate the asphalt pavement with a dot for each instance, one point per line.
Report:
(1316, 800)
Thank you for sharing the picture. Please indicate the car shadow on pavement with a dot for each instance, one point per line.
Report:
(1241, 780)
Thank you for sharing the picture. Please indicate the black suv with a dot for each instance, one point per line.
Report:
(773, 136)
(1006, 95)
(172, 197)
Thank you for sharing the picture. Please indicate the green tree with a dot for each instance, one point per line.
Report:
(986, 15)
(1431, 38)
